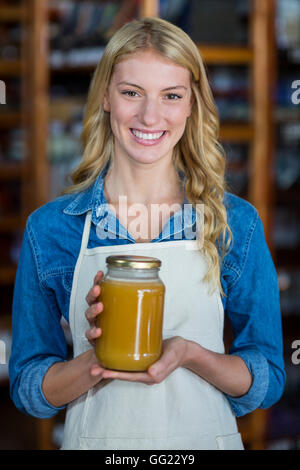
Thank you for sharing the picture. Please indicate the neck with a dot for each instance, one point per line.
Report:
(145, 184)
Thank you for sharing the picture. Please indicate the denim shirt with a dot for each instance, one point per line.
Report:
(50, 248)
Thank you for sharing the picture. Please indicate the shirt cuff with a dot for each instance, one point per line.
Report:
(30, 389)
(259, 370)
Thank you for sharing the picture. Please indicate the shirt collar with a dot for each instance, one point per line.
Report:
(93, 199)
(89, 199)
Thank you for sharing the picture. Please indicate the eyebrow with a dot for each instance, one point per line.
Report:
(165, 89)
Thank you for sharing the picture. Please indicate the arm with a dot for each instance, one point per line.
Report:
(39, 347)
(253, 307)
(34, 350)
(227, 373)
(66, 381)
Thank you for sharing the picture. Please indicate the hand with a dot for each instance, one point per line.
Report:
(94, 309)
(172, 357)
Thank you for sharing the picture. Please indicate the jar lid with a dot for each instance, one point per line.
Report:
(133, 261)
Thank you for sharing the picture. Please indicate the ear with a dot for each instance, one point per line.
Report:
(106, 102)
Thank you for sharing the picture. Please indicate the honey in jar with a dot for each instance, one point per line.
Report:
(132, 294)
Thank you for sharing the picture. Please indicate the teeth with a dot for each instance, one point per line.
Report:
(140, 135)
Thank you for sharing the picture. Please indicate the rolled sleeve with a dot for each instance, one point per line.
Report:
(258, 367)
(253, 308)
(30, 389)
(38, 339)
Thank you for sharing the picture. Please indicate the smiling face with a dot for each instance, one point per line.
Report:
(149, 99)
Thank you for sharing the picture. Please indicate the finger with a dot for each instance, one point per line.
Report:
(94, 292)
(157, 373)
(93, 333)
(129, 376)
(92, 312)
(98, 277)
(96, 370)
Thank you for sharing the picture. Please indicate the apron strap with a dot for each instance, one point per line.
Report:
(86, 232)
(83, 247)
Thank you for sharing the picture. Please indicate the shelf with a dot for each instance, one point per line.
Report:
(229, 55)
(7, 275)
(10, 223)
(10, 119)
(290, 196)
(291, 326)
(210, 54)
(10, 171)
(236, 132)
(74, 68)
(11, 14)
(287, 257)
(62, 108)
(9, 68)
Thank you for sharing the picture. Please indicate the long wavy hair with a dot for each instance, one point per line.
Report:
(198, 154)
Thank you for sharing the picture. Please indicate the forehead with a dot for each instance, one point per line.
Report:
(152, 68)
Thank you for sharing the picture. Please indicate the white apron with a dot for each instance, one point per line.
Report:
(182, 412)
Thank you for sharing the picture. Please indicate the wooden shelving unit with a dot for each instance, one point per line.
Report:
(258, 56)
(10, 172)
(31, 173)
(226, 55)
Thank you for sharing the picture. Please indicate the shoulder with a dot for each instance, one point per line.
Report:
(54, 234)
(50, 213)
(243, 219)
(241, 214)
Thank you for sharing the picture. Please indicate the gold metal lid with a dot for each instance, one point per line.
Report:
(133, 261)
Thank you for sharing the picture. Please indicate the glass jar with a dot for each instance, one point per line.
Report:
(132, 294)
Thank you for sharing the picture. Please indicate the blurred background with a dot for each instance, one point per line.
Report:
(48, 52)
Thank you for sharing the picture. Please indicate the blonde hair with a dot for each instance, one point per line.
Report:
(198, 154)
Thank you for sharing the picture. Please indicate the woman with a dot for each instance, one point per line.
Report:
(151, 135)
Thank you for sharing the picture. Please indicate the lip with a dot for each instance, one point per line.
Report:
(147, 131)
(147, 143)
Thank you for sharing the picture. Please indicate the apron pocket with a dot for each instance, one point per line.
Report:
(230, 442)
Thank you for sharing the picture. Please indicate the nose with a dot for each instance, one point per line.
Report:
(149, 112)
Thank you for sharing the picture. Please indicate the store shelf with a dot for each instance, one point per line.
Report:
(10, 171)
(10, 119)
(62, 108)
(288, 257)
(226, 55)
(210, 54)
(65, 69)
(237, 132)
(7, 275)
(10, 223)
(11, 14)
(9, 68)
